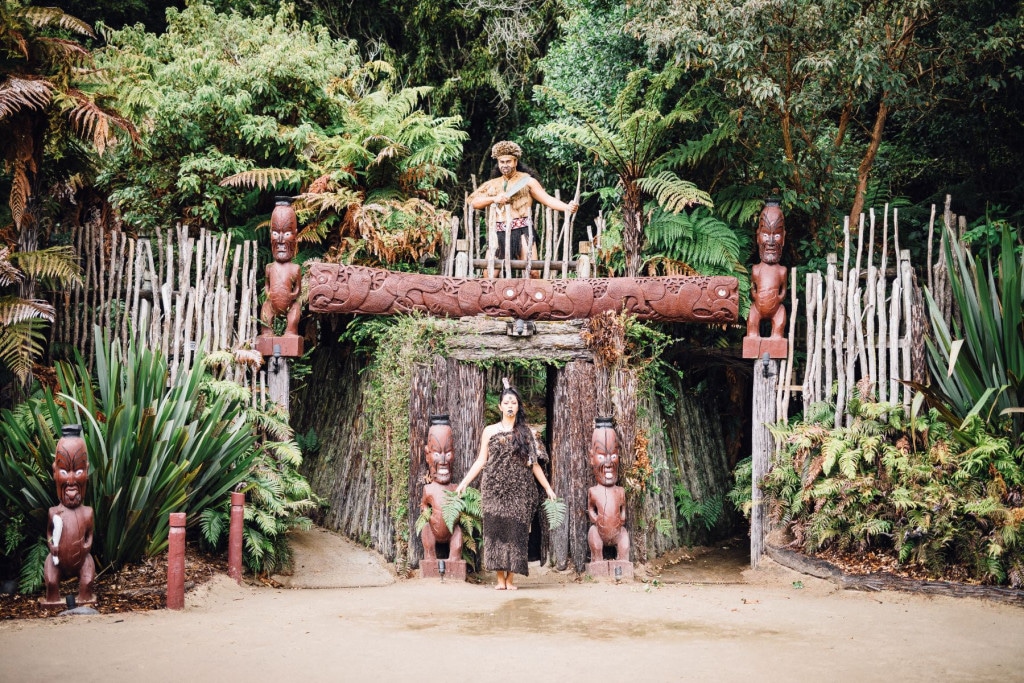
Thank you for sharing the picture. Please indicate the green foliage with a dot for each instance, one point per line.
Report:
(399, 347)
(978, 367)
(278, 499)
(706, 512)
(234, 106)
(941, 498)
(554, 511)
(632, 138)
(153, 448)
(465, 510)
(740, 494)
(49, 109)
(814, 81)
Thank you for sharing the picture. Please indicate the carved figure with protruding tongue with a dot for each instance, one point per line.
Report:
(69, 529)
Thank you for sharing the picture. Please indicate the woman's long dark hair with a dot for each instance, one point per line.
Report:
(522, 437)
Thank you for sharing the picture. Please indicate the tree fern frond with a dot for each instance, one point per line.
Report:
(20, 191)
(43, 17)
(17, 94)
(14, 310)
(692, 152)
(20, 343)
(264, 178)
(8, 273)
(672, 192)
(56, 265)
(60, 50)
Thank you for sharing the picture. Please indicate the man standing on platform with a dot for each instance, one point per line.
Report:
(516, 189)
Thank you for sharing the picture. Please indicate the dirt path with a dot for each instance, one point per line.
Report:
(760, 628)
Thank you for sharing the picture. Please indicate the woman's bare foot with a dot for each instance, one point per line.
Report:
(509, 586)
(502, 582)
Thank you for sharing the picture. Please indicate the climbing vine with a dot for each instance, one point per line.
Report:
(398, 348)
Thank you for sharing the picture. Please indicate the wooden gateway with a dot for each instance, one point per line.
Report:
(580, 386)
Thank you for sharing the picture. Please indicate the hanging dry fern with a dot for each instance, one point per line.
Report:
(605, 336)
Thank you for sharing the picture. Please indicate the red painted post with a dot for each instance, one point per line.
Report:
(235, 536)
(176, 562)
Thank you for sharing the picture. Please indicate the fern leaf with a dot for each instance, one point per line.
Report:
(211, 525)
(663, 526)
(45, 17)
(54, 265)
(17, 94)
(30, 579)
(14, 310)
(20, 191)
(554, 510)
(263, 178)
(424, 519)
(672, 192)
(452, 507)
(20, 343)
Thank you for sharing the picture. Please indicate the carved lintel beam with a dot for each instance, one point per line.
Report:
(335, 288)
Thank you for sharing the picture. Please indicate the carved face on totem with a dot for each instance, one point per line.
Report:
(604, 456)
(283, 233)
(439, 453)
(71, 473)
(507, 165)
(771, 234)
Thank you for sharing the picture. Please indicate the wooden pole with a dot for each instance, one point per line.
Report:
(176, 562)
(766, 377)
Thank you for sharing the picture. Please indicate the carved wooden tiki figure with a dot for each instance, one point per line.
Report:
(439, 452)
(69, 530)
(283, 281)
(768, 280)
(606, 504)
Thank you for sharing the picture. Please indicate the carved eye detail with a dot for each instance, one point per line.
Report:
(510, 293)
(538, 296)
(722, 292)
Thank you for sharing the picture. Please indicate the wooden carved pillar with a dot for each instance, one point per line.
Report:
(572, 424)
(451, 387)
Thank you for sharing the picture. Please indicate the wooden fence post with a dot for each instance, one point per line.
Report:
(766, 378)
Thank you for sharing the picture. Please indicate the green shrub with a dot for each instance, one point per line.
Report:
(277, 499)
(938, 497)
(153, 448)
(978, 365)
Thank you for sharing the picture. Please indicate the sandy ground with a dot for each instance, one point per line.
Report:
(705, 619)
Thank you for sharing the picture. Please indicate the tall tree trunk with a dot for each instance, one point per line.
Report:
(868, 161)
(632, 227)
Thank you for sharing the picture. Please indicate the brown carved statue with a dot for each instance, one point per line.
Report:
(606, 502)
(439, 453)
(283, 278)
(768, 286)
(70, 526)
